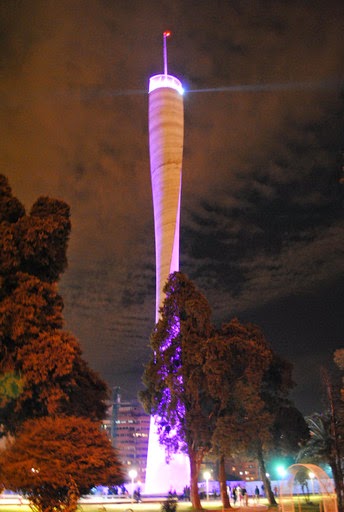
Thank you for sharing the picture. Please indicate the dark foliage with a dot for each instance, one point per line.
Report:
(54, 460)
(39, 359)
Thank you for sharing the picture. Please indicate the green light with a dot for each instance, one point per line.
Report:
(281, 471)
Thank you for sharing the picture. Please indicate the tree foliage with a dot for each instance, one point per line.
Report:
(236, 359)
(289, 431)
(338, 358)
(326, 444)
(175, 386)
(249, 385)
(318, 448)
(215, 391)
(10, 388)
(34, 243)
(47, 388)
(43, 362)
(173, 378)
(53, 460)
(287, 428)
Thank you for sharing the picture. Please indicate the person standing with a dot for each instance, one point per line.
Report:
(256, 493)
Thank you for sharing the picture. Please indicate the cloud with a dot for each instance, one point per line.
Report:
(261, 204)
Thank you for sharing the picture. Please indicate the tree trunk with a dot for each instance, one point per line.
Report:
(194, 472)
(266, 481)
(338, 483)
(336, 458)
(73, 496)
(223, 484)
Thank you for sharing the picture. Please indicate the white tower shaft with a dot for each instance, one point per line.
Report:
(166, 133)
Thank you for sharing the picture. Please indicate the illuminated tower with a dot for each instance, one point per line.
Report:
(166, 133)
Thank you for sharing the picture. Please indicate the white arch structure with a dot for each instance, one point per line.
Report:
(329, 498)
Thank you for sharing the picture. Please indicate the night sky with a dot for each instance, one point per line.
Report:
(262, 231)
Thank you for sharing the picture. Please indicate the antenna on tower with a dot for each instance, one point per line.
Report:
(166, 34)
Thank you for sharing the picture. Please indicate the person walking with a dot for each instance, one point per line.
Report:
(256, 494)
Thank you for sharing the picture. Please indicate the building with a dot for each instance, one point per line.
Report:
(166, 134)
(127, 425)
(237, 469)
(241, 469)
(128, 428)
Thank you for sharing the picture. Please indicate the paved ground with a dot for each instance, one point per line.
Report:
(98, 504)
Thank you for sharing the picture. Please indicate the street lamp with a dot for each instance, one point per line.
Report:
(133, 474)
(312, 476)
(206, 475)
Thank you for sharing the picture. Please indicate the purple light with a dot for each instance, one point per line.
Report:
(166, 133)
(163, 475)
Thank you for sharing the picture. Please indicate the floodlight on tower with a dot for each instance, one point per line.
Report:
(166, 134)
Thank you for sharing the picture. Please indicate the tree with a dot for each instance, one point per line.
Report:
(338, 358)
(320, 449)
(327, 431)
(235, 361)
(175, 386)
(249, 384)
(287, 428)
(11, 210)
(54, 460)
(36, 243)
(54, 377)
(326, 440)
(41, 360)
(47, 387)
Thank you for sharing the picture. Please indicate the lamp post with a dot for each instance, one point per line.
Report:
(206, 475)
(312, 476)
(281, 471)
(133, 474)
